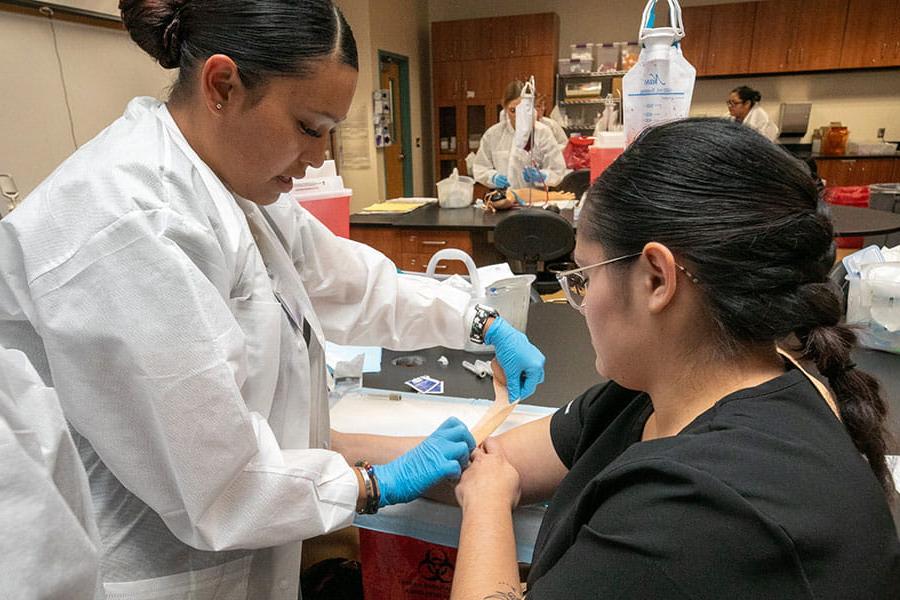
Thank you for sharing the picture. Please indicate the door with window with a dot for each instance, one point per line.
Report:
(394, 76)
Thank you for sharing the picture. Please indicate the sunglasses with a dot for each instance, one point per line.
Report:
(574, 283)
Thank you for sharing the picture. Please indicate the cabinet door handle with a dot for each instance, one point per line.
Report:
(787, 57)
(440, 267)
(434, 243)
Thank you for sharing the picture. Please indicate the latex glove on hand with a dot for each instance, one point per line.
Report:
(533, 175)
(521, 361)
(500, 181)
(441, 455)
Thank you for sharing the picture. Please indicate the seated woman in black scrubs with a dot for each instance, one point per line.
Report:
(710, 466)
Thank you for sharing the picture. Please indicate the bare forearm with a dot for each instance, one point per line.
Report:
(486, 567)
(376, 449)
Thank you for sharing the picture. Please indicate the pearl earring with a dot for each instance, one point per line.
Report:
(218, 106)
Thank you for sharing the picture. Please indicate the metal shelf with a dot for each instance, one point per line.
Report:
(578, 102)
(590, 75)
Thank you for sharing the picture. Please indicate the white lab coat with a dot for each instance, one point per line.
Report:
(48, 538)
(559, 134)
(758, 119)
(494, 156)
(133, 282)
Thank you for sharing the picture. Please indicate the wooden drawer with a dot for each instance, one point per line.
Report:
(418, 263)
(428, 241)
(384, 239)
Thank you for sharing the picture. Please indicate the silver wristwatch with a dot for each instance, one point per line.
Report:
(482, 314)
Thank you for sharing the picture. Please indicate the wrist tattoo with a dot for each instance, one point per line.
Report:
(511, 593)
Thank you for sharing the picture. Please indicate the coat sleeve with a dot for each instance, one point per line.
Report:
(656, 529)
(484, 168)
(360, 298)
(44, 501)
(553, 165)
(148, 362)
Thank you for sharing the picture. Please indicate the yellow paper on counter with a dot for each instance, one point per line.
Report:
(392, 207)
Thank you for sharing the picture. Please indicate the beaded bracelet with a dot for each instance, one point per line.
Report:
(370, 482)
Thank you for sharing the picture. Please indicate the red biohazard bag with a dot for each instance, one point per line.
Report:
(577, 153)
(848, 196)
(395, 567)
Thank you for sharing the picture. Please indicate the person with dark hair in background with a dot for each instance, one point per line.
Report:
(493, 167)
(743, 106)
(541, 116)
(712, 465)
(177, 299)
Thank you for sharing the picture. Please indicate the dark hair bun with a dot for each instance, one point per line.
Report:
(156, 26)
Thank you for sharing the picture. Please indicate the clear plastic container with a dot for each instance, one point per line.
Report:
(573, 66)
(606, 58)
(628, 54)
(456, 191)
(582, 52)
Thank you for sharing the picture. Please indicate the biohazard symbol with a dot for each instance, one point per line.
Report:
(436, 566)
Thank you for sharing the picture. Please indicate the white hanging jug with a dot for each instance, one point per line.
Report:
(659, 87)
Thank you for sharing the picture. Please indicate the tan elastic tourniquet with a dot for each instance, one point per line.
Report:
(499, 410)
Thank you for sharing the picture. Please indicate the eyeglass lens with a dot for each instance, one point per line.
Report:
(575, 289)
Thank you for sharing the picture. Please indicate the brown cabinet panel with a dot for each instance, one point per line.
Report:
(819, 38)
(480, 80)
(696, 40)
(788, 39)
(774, 41)
(412, 262)
(878, 170)
(872, 35)
(476, 39)
(429, 241)
(384, 239)
(731, 38)
(859, 171)
(446, 41)
(448, 81)
(538, 34)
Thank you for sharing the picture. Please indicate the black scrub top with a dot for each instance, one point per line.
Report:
(762, 496)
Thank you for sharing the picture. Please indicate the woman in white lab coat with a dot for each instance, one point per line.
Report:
(46, 517)
(178, 301)
(493, 167)
(743, 106)
(541, 116)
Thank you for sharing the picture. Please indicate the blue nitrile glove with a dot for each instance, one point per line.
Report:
(500, 181)
(522, 363)
(442, 454)
(532, 175)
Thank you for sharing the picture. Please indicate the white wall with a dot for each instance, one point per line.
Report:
(862, 100)
(103, 70)
(402, 27)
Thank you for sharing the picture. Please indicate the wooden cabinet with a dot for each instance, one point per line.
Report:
(696, 43)
(858, 171)
(872, 35)
(819, 37)
(786, 39)
(383, 239)
(448, 81)
(731, 38)
(473, 61)
(446, 41)
(411, 249)
(789, 36)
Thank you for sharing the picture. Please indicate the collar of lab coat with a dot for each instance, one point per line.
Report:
(231, 217)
